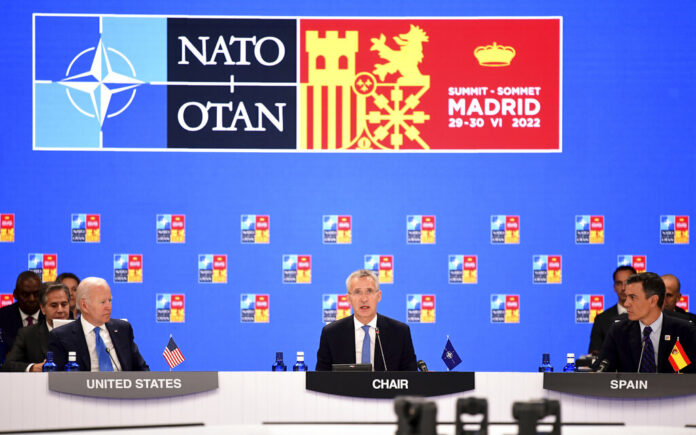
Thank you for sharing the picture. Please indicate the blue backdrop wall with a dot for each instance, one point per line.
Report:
(628, 155)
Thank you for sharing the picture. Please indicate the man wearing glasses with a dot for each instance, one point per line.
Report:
(604, 320)
(366, 337)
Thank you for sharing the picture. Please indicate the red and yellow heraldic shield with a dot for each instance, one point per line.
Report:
(262, 309)
(177, 314)
(419, 84)
(220, 268)
(343, 307)
(596, 306)
(50, 267)
(93, 232)
(304, 269)
(386, 269)
(135, 268)
(7, 228)
(6, 299)
(178, 234)
(512, 309)
(470, 267)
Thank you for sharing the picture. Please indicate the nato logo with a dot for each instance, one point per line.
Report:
(497, 228)
(154, 82)
(248, 301)
(35, 261)
(330, 222)
(372, 263)
(540, 268)
(120, 267)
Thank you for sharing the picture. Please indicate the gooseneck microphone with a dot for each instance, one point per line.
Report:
(379, 341)
(640, 360)
(421, 366)
(113, 363)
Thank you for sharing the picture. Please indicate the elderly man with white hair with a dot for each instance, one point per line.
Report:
(100, 342)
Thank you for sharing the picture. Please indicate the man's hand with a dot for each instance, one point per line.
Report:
(37, 367)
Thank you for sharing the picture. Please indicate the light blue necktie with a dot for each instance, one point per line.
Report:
(366, 345)
(104, 359)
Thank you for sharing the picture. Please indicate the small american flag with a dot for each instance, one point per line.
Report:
(172, 354)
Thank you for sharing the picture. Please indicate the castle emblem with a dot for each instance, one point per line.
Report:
(345, 109)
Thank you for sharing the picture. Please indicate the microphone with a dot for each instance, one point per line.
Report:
(602, 366)
(113, 363)
(421, 366)
(379, 341)
(640, 360)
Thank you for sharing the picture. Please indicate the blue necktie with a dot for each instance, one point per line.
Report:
(647, 364)
(104, 358)
(366, 345)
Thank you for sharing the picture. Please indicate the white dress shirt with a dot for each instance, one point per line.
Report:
(34, 316)
(91, 339)
(360, 336)
(620, 309)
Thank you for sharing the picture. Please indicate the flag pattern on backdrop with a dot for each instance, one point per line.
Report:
(678, 357)
(172, 354)
(450, 356)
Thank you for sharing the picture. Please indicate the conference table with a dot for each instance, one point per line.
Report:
(279, 402)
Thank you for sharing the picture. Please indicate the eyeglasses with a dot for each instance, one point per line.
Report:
(368, 292)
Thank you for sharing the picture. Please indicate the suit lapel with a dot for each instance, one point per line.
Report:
(663, 365)
(383, 328)
(43, 338)
(349, 337)
(81, 345)
(115, 336)
(634, 343)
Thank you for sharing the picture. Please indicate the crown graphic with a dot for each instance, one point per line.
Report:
(494, 55)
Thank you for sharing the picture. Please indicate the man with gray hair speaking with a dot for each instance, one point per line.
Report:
(100, 342)
(366, 337)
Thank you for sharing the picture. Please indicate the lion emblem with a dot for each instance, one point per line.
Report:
(405, 60)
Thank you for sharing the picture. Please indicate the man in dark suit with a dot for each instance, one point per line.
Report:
(366, 337)
(29, 351)
(605, 319)
(673, 295)
(101, 343)
(24, 312)
(645, 340)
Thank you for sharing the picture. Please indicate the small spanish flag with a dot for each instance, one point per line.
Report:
(678, 357)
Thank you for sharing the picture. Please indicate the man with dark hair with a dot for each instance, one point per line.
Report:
(24, 312)
(366, 337)
(29, 351)
(71, 281)
(644, 341)
(605, 319)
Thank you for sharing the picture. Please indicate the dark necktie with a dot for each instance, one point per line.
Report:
(30, 320)
(647, 363)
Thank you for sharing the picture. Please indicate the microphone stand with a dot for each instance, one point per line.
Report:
(113, 363)
(640, 360)
(379, 341)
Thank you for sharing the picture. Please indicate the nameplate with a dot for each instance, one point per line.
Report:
(623, 385)
(132, 385)
(387, 385)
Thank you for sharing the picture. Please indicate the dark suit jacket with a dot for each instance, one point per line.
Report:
(601, 326)
(622, 345)
(71, 337)
(30, 346)
(337, 345)
(687, 315)
(11, 322)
